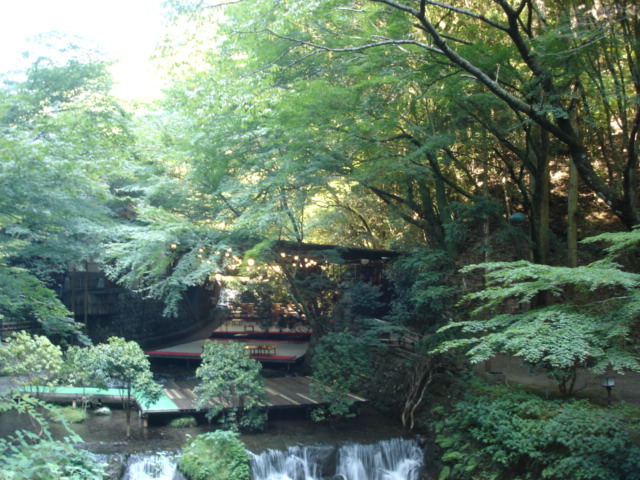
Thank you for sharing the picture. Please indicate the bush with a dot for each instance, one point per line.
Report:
(183, 422)
(218, 455)
(341, 366)
(69, 415)
(509, 434)
(51, 460)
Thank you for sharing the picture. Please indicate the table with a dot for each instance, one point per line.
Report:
(260, 349)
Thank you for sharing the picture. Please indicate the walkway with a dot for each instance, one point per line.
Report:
(510, 369)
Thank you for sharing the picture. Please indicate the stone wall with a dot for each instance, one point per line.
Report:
(110, 310)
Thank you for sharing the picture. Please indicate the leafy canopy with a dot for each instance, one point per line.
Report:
(590, 324)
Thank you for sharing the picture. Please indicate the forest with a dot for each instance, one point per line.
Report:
(491, 146)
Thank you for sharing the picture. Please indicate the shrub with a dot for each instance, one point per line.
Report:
(509, 434)
(50, 460)
(69, 415)
(341, 365)
(183, 422)
(218, 455)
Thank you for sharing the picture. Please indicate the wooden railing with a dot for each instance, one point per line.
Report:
(404, 341)
(7, 328)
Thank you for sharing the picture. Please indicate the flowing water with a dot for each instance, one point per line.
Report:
(294, 463)
(154, 466)
(296, 445)
(394, 459)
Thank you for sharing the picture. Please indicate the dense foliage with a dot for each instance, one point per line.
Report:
(31, 361)
(34, 454)
(341, 365)
(502, 433)
(51, 460)
(589, 328)
(125, 366)
(218, 455)
(461, 136)
(63, 143)
(231, 386)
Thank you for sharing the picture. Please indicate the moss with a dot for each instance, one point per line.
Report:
(218, 455)
(183, 422)
(69, 415)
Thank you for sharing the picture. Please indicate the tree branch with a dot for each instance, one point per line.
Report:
(359, 48)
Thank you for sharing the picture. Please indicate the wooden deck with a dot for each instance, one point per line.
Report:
(276, 351)
(282, 392)
(178, 397)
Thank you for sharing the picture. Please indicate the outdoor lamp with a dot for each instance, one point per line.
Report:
(518, 218)
(608, 382)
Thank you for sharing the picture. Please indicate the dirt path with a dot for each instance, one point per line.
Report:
(509, 370)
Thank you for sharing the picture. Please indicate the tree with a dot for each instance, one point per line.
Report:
(590, 326)
(82, 368)
(32, 361)
(340, 366)
(480, 59)
(64, 142)
(601, 55)
(231, 385)
(127, 368)
(26, 300)
(275, 148)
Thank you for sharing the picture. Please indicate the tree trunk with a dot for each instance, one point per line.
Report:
(126, 403)
(572, 217)
(86, 297)
(538, 153)
(572, 206)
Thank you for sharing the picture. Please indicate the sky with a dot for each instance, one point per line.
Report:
(125, 29)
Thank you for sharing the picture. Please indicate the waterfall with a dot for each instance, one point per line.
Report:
(395, 459)
(152, 466)
(296, 463)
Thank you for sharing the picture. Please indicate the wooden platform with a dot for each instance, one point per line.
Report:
(282, 392)
(281, 351)
(178, 397)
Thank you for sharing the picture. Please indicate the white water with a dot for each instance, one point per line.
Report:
(395, 459)
(161, 466)
(296, 463)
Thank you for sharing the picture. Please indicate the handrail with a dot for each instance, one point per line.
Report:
(15, 327)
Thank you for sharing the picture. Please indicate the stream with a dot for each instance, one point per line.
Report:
(394, 459)
(371, 446)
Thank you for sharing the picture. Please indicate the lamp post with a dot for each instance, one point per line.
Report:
(608, 382)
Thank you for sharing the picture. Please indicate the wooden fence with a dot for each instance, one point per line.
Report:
(7, 328)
